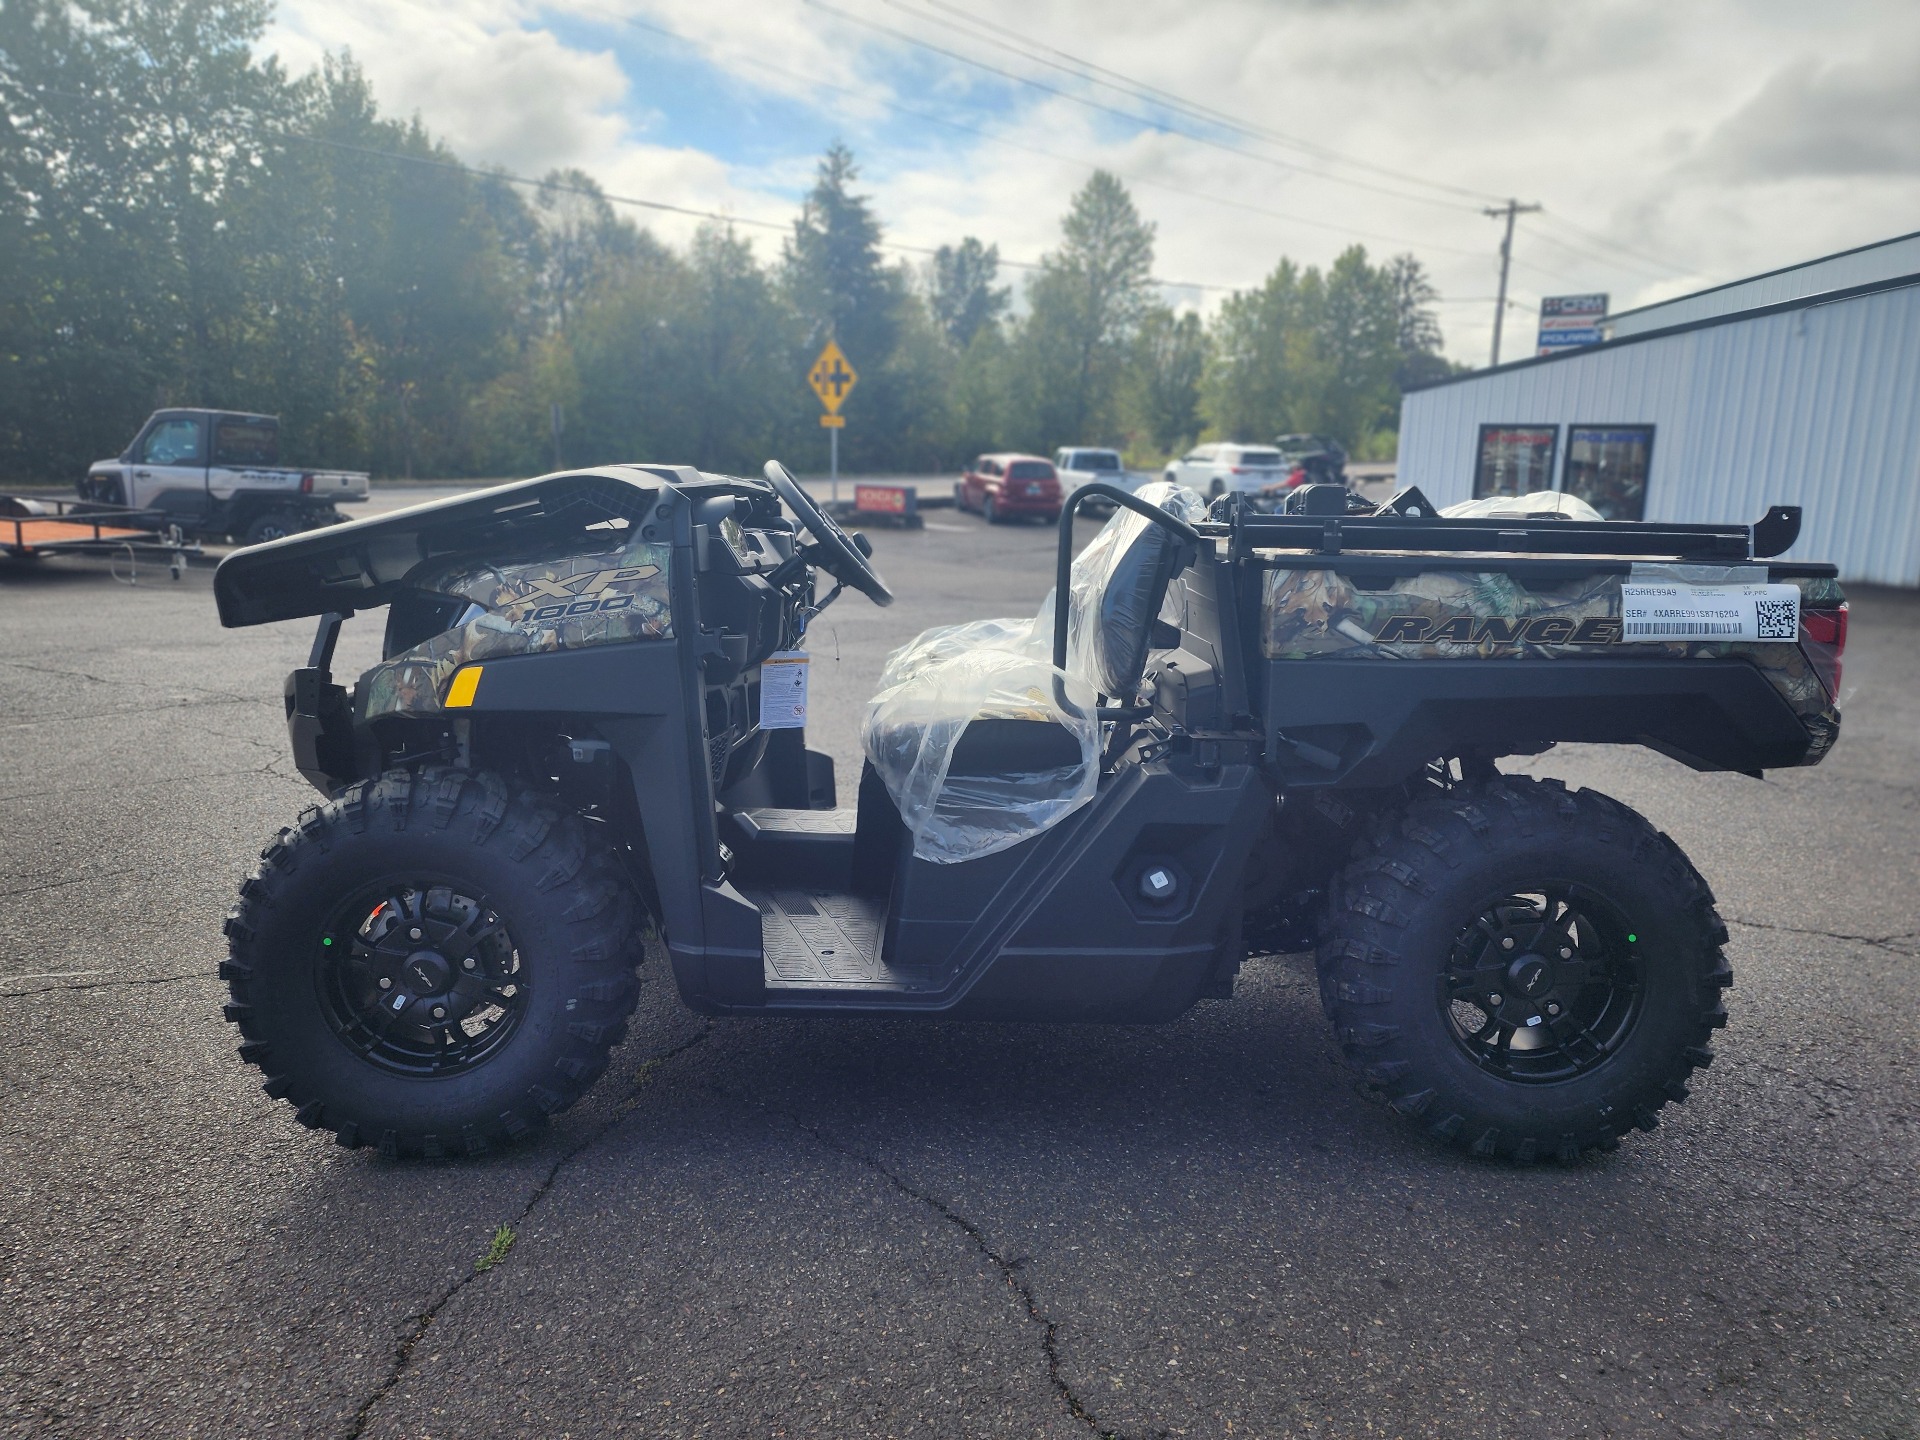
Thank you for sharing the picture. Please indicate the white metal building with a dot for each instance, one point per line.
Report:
(1799, 387)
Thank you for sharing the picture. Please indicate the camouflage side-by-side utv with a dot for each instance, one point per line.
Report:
(1228, 730)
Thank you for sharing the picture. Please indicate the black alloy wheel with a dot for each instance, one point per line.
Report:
(1523, 970)
(419, 978)
(1542, 987)
(433, 962)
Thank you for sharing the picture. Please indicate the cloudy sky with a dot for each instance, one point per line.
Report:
(1673, 145)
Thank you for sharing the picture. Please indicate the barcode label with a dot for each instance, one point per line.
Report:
(1665, 629)
(1674, 611)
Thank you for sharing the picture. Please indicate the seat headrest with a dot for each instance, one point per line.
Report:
(1129, 602)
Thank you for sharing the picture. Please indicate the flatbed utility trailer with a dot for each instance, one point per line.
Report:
(36, 529)
(1232, 732)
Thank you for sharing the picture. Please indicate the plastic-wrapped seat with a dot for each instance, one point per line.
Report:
(980, 742)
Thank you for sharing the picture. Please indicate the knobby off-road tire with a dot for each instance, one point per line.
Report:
(273, 525)
(384, 895)
(1491, 885)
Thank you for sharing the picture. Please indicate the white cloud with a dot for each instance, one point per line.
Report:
(1714, 137)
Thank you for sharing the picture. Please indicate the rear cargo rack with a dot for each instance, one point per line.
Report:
(1248, 530)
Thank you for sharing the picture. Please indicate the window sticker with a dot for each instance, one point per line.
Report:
(783, 690)
(1669, 610)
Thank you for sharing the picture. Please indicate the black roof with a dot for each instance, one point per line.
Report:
(358, 565)
(196, 411)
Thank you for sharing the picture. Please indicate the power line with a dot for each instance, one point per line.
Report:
(1090, 71)
(483, 173)
(1612, 262)
(1554, 217)
(1127, 115)
(1081, 161)
(1153, 95)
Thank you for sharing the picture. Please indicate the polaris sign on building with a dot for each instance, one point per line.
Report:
(1801, 386)
(1568, 321)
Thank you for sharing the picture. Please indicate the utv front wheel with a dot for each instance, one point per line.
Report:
(432, 965)
(1524, 971)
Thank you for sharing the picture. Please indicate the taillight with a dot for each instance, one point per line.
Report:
(1823, 640)
(306, 484)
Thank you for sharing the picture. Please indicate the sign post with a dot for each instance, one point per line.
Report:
(831, 378)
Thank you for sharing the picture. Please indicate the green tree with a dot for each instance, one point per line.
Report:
(584, 244)
(835, 276)
(1169, 360)
(1085, 306)
(1320, 353)
(127, 133)
(1417, 330)
(1262, 355)
(962, 292)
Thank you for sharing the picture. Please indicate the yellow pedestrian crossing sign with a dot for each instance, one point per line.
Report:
(832, 377)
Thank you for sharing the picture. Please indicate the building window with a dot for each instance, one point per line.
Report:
(1514, 459)
(1607, 468)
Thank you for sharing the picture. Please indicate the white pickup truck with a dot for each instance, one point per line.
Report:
(1083, 464)
(218, 472)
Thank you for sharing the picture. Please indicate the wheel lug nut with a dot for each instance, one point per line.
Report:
(1495, 1000)
(1553, 1009)
(439, 1012)
(414, 933)
(1506, 942)
(1565, 954)
(386, 982)
(468, 963)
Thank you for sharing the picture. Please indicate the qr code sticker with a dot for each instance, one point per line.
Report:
(1777, 620)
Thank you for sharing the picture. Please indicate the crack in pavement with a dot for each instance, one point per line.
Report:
(226, 696)
(111, 984)
(423, 1322)
(1885, 942)
(161, 783)
(1010, 1269)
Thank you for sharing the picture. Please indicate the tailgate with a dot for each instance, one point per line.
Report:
(340, 484)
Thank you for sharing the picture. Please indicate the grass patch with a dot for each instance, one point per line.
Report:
(497, 1251)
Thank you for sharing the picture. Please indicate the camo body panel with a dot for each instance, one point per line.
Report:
(1308, 614)
(512, 596)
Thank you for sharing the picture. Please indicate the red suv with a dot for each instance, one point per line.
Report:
(1003, 486)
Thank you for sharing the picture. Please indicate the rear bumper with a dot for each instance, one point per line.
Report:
(1026, 504)
(1255, 484)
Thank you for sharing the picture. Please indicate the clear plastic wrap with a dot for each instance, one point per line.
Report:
(943, 642)
(914, 727)
(1521, 507)
(1090, 651)
(964, 796)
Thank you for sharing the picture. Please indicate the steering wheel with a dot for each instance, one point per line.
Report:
(841, 556)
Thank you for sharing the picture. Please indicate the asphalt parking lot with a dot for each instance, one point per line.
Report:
(886, 1229)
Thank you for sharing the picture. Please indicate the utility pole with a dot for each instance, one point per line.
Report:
(1511, 209)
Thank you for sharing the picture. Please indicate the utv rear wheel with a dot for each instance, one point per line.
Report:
(1525, 971)
(273, 525)
(432, 965)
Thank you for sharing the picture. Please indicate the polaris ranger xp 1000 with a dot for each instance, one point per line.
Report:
(1227, 731)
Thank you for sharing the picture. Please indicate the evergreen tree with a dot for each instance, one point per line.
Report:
(835, 276)
(961, 289)
(1086, 304)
